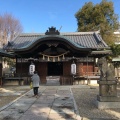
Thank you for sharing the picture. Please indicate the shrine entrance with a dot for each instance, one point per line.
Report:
(55, 68)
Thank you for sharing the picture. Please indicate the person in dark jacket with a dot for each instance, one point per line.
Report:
(35, 83)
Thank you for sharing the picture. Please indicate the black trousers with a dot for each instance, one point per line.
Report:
(35, 90)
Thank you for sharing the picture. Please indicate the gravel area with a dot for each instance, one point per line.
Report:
(10, 93)
(86, 98)
(5, 100)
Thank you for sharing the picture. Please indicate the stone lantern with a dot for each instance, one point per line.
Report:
(107, 97)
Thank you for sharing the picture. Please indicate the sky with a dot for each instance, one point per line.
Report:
(38, 15)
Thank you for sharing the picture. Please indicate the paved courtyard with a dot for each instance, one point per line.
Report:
(53, 103)
(58, 103)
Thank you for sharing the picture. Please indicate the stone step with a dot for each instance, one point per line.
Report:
(53, 80)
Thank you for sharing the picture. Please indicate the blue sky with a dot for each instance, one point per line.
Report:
(38, 15)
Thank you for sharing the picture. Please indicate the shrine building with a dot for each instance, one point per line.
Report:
(53, 53)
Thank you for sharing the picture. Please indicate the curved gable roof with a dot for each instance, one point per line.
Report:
(80, 40)
(53, 38)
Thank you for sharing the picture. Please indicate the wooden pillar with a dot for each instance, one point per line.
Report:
(87, 70)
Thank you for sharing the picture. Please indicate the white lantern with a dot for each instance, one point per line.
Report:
(73, 68)
(31, 69)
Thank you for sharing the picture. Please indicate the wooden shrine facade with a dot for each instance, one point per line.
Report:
(53, 53)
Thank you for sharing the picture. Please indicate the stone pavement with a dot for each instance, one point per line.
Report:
(53, 103)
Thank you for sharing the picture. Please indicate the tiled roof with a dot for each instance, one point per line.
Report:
(80, 39)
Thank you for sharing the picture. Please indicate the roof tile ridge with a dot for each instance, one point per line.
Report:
(77, 33)
(99, 38)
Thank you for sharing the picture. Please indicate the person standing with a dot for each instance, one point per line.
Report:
(35, 83)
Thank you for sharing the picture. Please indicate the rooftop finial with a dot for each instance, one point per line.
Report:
(52, 31)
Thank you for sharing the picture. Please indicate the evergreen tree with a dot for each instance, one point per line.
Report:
(98, 17)
(116, 50)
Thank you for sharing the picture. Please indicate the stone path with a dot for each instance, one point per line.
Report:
(53, 103)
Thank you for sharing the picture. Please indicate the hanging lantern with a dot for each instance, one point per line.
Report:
(73, 68)
(31, 69)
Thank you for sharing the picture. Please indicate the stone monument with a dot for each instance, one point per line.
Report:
(107, 97)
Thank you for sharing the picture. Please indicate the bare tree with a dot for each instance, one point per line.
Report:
(9, 27)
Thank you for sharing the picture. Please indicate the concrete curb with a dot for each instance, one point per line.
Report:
(76, 109)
